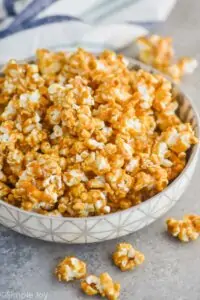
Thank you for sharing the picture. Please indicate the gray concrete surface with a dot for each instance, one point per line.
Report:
(171, 270)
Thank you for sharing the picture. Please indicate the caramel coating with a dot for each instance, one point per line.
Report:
(126, 257)
(185, 230)
(82, 135)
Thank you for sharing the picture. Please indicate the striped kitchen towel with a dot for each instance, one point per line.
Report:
(16, 15)
(26, 25)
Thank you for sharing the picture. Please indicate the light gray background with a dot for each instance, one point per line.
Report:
(171, 270)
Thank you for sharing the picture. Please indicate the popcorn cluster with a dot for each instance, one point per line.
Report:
(186, 229)
(82, 135)
(158, 52)
(70, 268)
(102, 285)
(126, 257)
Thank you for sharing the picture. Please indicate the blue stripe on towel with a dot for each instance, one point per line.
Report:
(37, 23)
(49, 20)
(29, 12)
(9, 7)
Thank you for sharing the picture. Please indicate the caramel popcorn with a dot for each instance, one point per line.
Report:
(70, 268)
(82, 135)
(102, 285)
(158, 52)
(126, 257)
(186, 229)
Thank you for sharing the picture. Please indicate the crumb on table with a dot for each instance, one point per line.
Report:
(186, 229)
(102, 285)
(70, 268)
(126, 257)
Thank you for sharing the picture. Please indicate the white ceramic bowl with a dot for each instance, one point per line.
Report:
(101, 228)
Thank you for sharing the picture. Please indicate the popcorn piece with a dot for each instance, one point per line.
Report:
(49, 62)
(40, 183)
(4, 189)
(132, 165)
(102, 164)
(5, 131)
(168, 117)
(91, 285)
(97, 182)
(126, 257)
(27, 100)
(95, 203)
(53, 115)
(180, 138)
(120, 182)
(178, 164)
(9, 112)
(195, 220)
(57, 132)
(102, 285)
(70, 268)
(163, 95)
(186, 229)
(188, 65)
(184, 65)
(134, 125)
(161, 150)
(144, 180)
(74, 177)
(145, 96)
(93, 144)
(125, 148)
(157, 51)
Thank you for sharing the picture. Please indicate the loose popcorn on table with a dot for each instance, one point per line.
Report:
(158, 52)
(82, 135)
(126, 257)
(101, 285)
(70, 268)
(186, 229)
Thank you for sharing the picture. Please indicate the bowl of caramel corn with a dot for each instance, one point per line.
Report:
(92, 147)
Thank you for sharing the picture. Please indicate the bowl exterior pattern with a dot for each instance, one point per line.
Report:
(96, 229)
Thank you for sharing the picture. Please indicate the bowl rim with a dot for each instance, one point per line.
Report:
(194, 153)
